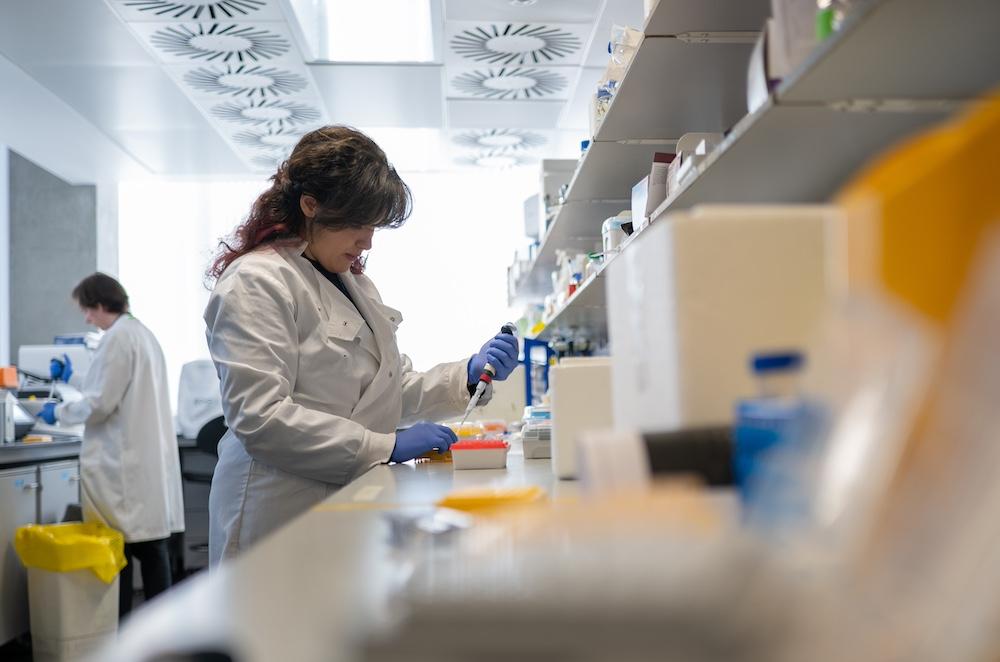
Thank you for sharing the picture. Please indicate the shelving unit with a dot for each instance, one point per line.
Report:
(894, 68)
(576, 227)
(673, 17)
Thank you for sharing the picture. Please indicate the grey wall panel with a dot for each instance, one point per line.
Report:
(53, 244)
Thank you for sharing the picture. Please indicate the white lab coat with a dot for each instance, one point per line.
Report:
(129, 467)
(311, 392)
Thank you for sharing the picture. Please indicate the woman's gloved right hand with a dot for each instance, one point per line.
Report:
(421, 438)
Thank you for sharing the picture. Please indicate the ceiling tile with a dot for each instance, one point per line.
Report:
(468, 113)
(552, 11)
(406, 96)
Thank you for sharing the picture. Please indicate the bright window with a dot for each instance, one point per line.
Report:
(368, 31)
(445, 269)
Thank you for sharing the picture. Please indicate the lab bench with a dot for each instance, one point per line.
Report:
(317, 587)
(37, 483)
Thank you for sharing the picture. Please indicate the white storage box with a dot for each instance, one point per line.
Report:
(72, 613)
(479, 455)
(581, 400)
(702, 290)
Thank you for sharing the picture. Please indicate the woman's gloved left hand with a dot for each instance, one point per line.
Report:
(500, 351)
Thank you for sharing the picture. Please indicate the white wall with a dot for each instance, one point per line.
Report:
(41, 127)
(4, 258)
(168, 231)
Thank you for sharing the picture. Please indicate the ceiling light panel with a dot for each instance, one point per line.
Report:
(513, 83)
(556, 11)
(515, 44)
(206, 10)
(221, 42)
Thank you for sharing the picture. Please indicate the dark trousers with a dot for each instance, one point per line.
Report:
(154, 559)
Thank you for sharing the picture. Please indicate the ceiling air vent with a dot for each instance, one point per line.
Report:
(245, 80)
(219, 42)
(266, 162)
(269, 139)
(499, 139)
(270, 113)
(512, 43)
(196, 11)
(495, 160)
(510, 83)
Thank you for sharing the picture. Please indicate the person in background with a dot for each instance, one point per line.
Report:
(129, 465)
(313, 384)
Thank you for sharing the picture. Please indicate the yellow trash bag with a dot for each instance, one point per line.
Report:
(72, 546)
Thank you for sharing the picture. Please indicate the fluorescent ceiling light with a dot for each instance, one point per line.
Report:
(367, 30)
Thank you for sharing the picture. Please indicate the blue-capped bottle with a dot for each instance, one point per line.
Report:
(775, 436)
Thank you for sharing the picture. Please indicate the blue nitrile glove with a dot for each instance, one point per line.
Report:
(48, 413)
(501, 352)
(61, 370)
(420, 439)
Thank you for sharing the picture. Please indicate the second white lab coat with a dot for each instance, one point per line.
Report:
(313, 389)
(130, 475)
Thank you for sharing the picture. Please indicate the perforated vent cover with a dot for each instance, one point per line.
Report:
(195, 11)
(498, 140)
(220, 42)
(273, 113)
(510, 83)
(513, 44)
(495, 160)
(252, 81)
(272, 140)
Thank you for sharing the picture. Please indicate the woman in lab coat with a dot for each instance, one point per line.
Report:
(129, 468)
(313, 384)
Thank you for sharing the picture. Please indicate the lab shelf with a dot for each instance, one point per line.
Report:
(675, 87)
(586, 309)
(673, 17)
(904, 49)
(576, 228)
(794, 154)
(609, 170)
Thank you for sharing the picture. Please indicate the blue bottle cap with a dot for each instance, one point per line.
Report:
(776, 361)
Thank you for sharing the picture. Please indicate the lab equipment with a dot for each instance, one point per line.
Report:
(199, 399)
(35, 360)
(480, 454)
(701, 292)
(497, 358)
(8, 406)
(612, 236)
(581, 400)
(419, 439)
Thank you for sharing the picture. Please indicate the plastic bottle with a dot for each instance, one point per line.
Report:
(774, 435)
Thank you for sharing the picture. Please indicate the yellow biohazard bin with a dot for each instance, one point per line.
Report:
(72, 586)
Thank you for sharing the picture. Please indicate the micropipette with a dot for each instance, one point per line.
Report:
(489, 372)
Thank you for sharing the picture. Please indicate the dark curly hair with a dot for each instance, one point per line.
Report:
(348, 175)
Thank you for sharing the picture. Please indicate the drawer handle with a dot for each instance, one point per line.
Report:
(33, 486)
(74, 479)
